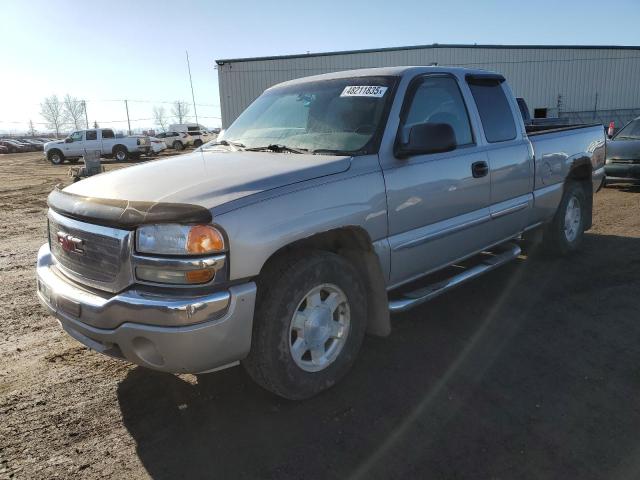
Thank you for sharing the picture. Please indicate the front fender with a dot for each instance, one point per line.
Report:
(258, 230)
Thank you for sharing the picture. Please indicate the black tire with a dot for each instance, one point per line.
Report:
(55, 157)
(557, 238)
(177, 145)
(120, 153)
(197, 143)
(281, 289)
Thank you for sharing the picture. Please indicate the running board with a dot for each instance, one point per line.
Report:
(424, 294)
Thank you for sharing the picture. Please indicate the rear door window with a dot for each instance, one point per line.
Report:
(92, 135)
(494, 110)
(108, 134)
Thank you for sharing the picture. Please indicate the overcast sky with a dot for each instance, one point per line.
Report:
(104, 52)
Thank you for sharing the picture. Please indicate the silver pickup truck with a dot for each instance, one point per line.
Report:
(332, 202)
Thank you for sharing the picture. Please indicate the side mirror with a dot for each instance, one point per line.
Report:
(68, 140)
(427, 138)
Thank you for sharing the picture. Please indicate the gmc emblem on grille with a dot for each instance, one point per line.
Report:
(70, 244)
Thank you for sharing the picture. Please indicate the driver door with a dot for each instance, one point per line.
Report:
(438, 203)
(75, 148)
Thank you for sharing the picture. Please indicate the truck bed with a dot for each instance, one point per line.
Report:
(533, 130)
(558, 148)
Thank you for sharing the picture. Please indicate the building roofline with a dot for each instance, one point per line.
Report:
(435, 45)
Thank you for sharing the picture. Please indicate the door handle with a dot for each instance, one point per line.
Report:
(479, 169)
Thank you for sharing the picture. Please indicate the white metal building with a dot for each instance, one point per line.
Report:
(583, 83)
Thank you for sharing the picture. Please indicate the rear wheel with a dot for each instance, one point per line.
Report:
(566, 231)
(197, 143)
(177, 145)
(309, 324)
(121, 154)
(55, 156)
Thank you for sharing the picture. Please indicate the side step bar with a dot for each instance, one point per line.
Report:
(424, 294)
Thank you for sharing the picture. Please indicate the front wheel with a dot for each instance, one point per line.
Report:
(566, 231)
(309, 324)
(178, 145)
(55, 157)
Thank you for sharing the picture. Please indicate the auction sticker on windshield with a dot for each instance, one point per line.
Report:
(363, 91)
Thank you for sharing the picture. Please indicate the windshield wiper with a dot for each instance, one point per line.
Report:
(275, 147)
(331, 151)
(231, 143)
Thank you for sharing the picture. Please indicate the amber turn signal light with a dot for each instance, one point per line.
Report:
(199, 276)
(204, 239)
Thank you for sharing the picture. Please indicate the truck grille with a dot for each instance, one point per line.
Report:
(94, 255)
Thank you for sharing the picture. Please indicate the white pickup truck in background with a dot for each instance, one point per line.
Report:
(103, 139)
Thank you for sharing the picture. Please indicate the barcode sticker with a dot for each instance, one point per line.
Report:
(363, 91)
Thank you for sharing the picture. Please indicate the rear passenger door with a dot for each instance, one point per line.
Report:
(91, 142)
(509, 152)
(438, 203)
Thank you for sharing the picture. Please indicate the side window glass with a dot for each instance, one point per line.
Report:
(108, 134)
(438, 100)
(76, 136)
(494, 110)
(92, 135)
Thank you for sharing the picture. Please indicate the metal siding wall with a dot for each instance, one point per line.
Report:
(538, 75)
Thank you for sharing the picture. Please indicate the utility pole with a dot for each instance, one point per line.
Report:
(193, 98)
(126, 105)
(86, 117)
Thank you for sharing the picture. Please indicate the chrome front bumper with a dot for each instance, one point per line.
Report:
(170, 333)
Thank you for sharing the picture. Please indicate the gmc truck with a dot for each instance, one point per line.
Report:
(103, 139)
(332, 202)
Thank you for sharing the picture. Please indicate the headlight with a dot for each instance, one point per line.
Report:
(174, 239)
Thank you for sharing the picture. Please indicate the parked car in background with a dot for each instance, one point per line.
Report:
(335, 194)
(103, 139)
(623, 155)
(198, 133)
(37, 144)
(14, 146)
(3, 149)
(157, 145)
(175, 140)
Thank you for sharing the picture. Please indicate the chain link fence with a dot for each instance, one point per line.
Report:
(620, 116)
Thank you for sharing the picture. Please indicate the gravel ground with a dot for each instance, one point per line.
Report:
(531, 372)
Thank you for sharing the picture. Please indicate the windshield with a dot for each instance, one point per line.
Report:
(339, 115)
(630, 131)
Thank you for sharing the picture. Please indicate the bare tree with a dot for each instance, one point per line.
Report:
(95, 124)
(180, 110)
(32, 130)
(52, 111)
(160, 117)
(74, 112)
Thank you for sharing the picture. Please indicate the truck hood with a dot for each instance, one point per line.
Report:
(208, 179)
(623, 149)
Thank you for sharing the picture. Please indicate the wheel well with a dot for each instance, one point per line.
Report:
(116, 147)
(54, 150)
(582, 174)
(354, 244)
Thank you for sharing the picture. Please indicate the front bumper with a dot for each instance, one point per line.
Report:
(622, 173)
(169, 333)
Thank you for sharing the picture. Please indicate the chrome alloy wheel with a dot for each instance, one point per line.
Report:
(319, 328)
(121, 155)
(572, 219)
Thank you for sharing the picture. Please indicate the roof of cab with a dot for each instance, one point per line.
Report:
(382, 72)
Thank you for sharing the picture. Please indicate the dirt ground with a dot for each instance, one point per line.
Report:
(531, 372)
